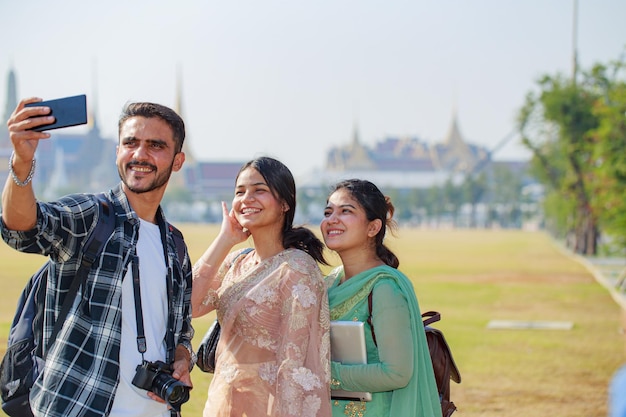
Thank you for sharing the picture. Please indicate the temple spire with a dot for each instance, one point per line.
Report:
(10, 105)
(178, 107)
(93, 101)
(454, 137)
(355, 134)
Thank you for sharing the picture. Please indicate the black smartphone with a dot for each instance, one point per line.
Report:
(67, 111)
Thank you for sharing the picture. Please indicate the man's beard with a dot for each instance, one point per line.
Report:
(159, 181)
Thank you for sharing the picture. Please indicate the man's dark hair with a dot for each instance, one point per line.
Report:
(149, 110)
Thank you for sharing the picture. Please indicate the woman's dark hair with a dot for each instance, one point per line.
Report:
(376, 206)
(149, 110)
(283, 186)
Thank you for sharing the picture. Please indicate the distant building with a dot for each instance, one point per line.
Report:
(85, 162)
(402, 162)
(67, 162)
(215, 180)
(408, 154)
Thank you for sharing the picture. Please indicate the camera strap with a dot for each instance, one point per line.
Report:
(141, 338)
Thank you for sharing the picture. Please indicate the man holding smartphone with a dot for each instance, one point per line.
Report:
(91, 366)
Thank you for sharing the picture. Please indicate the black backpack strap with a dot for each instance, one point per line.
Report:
(179, 241)
(91, 249)
(243, 252)
(430, 317)
(101, 233)
(369, 319)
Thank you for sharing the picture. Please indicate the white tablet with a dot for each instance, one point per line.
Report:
(347, 345)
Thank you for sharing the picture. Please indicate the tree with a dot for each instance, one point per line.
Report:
(609, 140)
(555, 125)
(453, 200)
(474, 187)
(506, 195)
(434, 205)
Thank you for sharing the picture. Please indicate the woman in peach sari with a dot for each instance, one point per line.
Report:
(273, 357)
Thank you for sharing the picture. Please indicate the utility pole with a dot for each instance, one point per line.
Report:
(574, 43)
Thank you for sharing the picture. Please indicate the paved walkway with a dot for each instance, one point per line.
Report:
(609, 273)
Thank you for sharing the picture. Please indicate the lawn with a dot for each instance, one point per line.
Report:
(472, 277)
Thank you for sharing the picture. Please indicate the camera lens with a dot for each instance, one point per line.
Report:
(171, 390)
(177, 394)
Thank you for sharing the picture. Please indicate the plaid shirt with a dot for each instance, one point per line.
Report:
(82, 367)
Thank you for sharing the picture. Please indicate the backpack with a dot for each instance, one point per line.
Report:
(25, 356)
(444, 366)
(443, 363)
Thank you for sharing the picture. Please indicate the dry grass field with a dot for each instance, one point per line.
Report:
(472, 277)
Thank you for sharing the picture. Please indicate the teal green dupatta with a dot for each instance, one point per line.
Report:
(420, 397)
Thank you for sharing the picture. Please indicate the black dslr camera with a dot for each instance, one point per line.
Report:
(157, 377)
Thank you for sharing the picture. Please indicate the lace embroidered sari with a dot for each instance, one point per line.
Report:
(273, 357)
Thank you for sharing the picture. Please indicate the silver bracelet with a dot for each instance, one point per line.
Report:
(16, 180)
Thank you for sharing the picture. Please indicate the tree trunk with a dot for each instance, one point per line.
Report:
(587, 234)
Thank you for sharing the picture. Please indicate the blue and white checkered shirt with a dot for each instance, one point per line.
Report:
(82, 366)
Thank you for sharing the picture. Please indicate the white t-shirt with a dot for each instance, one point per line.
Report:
(129, 399)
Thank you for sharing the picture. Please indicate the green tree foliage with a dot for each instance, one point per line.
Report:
(561, 153)
(474, 188)
(573, 129)
(609, 140)
(506, 197)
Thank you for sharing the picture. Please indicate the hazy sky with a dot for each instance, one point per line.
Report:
(291, 79)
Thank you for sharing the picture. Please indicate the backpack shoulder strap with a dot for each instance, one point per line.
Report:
(91, 250)
(430, 317)
(179, 241)
(369, 318)
(244, 252)
(101, 233)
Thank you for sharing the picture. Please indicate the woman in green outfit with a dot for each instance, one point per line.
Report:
(399, 371)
